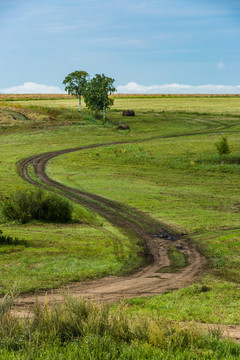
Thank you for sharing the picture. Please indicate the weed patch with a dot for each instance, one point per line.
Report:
(87, 331)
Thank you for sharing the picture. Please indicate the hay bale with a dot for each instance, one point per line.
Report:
(123, 127)
(128, 113)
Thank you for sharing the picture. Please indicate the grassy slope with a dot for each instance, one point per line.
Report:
(55, 255)
(175, 186)
(176, 183)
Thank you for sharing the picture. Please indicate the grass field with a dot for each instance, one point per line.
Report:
(182, 182)
(173, 166)
(222, 105)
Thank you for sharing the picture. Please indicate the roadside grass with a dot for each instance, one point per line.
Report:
(48, 256)
(103, 347)
(84, 330)
(208, 301)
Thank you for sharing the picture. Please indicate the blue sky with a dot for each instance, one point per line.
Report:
(146, 46)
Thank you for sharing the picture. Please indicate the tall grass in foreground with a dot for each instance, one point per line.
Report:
(84, 330)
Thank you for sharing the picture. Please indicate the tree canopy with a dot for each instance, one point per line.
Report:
(96, 93)
(75, 84)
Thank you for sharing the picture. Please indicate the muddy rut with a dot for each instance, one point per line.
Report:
(155, 237)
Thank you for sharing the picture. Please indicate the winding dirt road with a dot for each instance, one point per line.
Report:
(151, 233)
(154, 235)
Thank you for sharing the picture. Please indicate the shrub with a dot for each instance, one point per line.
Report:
(8, 240)
(25, 205)
(222, 146)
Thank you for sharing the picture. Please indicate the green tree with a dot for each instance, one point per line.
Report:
(96, 93)
(75, 83)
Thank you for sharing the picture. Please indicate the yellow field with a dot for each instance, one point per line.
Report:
(214, 104)
(33, 96)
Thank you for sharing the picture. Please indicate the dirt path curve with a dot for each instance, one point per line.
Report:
(154, 235)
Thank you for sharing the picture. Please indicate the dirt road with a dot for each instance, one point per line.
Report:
(156, 237)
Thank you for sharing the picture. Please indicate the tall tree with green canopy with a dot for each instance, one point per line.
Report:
(75, 83)
(96, 93)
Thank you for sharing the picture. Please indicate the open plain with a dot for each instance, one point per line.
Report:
(156, 217)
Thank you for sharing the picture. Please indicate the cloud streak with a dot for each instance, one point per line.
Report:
(131, 88)
(32, 88)
(134, 88)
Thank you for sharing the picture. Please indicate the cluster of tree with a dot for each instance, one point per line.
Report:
(95, 91)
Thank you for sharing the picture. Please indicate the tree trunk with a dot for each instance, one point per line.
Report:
(104, 112)
(79, 107)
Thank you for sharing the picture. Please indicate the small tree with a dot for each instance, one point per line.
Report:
(75, 83)
(96, 93)
(222, 146)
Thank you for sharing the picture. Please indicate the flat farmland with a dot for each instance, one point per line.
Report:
(202, 104)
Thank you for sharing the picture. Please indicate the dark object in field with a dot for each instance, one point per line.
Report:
(123, 127)
(128, 113)
(165, 236)
(8, 240)
(204, 288)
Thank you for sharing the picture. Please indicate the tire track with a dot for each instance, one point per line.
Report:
(154, 235)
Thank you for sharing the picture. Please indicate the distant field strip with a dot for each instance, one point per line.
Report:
(217, 105)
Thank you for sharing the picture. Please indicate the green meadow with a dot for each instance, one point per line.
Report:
(170, 169)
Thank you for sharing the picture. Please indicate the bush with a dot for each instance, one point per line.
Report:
(8, 240)
(222, 146)
(25, 205)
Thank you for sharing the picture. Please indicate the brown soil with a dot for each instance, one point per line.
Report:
(157, 238)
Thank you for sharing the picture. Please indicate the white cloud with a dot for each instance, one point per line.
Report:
(32, 88)
(131, 88)
(134, 88)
